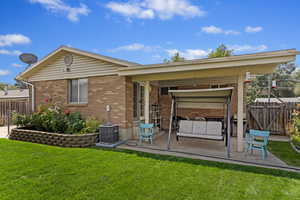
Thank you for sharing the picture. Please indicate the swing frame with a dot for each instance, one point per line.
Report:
(216, 95)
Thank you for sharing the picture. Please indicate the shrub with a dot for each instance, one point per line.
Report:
(54, 119)
(74, 123)
(296, 140)
(91, 126)
(21, 120)
(295, 133)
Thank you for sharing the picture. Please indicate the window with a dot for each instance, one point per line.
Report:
(165, 90)
(142, 103)
(138, 101)
(214, 86)
(135, 100)
(219, 86)
(78, 91)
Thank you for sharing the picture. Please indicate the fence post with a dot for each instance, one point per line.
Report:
(8, 118)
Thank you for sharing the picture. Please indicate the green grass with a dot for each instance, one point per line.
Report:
(33, 171)
(285, 152)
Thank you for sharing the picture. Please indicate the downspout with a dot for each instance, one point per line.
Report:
(32, 94)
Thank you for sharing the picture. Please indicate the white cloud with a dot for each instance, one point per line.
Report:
(135, 47)
(11, 39)
(250, 29)
(216, 30)
(8, 52)
(149, 9)
(190, 54)
(131, 10)
(58, 6)
(247, 48)
(16, 65)
(4, 72)
(212, 29)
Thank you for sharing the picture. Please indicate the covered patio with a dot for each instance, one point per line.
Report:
(200, 148)
(207, 74)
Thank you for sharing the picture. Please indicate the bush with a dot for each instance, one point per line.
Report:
(21, 120)
(295, 133)
(296, 140)
(91, 126)
(55, 119)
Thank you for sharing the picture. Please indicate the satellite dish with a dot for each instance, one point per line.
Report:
(28, 58)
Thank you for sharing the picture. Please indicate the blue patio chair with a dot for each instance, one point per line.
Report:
(258, 140)
(146, 132)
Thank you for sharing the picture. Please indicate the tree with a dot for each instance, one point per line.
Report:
(296, 77)
(4, 86)
(284, 76)
(175, 58)
(20, 85)
(221, 51)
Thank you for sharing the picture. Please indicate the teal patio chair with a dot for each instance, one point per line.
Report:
(146, 132)
(258, 140)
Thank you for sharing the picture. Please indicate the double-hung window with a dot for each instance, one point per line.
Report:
(78, 91)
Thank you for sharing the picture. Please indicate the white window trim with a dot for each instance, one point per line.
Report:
(78, 91)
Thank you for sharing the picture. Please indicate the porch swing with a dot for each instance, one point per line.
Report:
(196, 99)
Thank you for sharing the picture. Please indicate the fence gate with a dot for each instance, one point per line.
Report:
(273, 117)
(9, 106)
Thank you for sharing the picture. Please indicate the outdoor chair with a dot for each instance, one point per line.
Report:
(146, 133)
(257, 140)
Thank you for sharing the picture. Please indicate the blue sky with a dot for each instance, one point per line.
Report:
(144, 31)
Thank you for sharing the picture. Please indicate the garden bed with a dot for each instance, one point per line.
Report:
(55, 139)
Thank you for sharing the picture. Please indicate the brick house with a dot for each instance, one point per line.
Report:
(88, 83)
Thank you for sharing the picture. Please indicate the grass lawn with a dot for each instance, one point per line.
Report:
(285, 152)
(33, 171)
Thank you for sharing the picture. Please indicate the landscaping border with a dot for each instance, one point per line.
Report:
(55, 139)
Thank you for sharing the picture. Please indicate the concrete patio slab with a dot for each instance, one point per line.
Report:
(207, 150)
(4, 131)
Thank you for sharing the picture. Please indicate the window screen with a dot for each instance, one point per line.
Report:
(78, 91)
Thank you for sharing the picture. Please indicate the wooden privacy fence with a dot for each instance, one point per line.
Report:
(9, 106)
(274, 117)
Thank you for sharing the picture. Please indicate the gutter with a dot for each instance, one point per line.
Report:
(32, 94)
(243, 57)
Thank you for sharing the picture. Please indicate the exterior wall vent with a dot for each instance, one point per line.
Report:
(68, 60)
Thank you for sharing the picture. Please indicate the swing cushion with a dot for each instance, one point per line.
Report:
(186, 126)
(213, 128)
(200, 129)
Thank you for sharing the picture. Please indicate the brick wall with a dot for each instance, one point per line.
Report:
(105, 90)
(117, 92)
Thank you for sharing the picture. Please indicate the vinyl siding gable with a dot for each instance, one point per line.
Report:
(82, 66)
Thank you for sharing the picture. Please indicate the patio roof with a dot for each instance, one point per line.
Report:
(255, 63)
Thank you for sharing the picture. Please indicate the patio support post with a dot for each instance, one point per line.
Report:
(240, 113)
(147, 101)
(228, 139)
(171, 123)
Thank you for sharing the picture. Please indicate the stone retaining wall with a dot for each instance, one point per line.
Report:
(56, 139)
